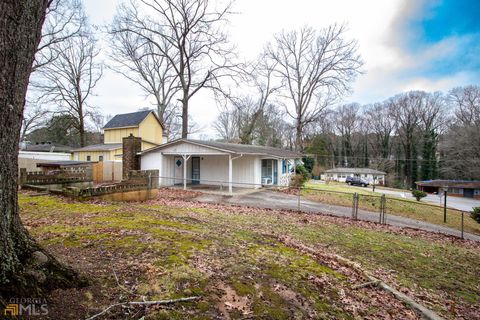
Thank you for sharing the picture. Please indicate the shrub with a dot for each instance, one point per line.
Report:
(304, 172)
(298, 180)
(418, 194)
(476, 214)
(308, 163)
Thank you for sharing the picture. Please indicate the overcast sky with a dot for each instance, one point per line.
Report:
(406, 44)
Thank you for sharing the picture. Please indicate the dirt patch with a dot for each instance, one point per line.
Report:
(231, 302)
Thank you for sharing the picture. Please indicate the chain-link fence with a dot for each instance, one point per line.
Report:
(400, 211)
(380, 208)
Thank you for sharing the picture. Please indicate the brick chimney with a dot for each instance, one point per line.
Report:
(131, 161)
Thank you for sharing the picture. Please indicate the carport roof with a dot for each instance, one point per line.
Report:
(234, 148)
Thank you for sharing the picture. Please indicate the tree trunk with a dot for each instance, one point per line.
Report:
(25, 269)
(81, 131)
(298, 137)
(185, 118)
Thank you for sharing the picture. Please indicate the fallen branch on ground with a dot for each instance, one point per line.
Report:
(144, 303)
(423, 311)
(366, 284)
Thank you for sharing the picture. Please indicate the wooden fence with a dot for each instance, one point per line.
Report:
(107, 171)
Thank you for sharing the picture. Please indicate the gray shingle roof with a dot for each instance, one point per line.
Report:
(355, 170)
(48, 147)
(236, 148)
(66, 163)
(128, 119)
(101, 147)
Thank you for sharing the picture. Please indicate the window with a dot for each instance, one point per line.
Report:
(89, 158)
(267, 168)
(100, 158)
(284, 166)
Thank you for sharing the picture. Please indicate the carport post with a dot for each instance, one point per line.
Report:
(185, 159)
(230, 174)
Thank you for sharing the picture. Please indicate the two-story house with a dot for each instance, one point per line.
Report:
(143, 124)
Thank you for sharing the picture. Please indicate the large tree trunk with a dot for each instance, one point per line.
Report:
(25, 269)
(185, 118)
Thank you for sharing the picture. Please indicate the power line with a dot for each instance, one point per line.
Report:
(342, 157)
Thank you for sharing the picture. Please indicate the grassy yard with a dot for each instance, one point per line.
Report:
(341, 194)
(242, 262)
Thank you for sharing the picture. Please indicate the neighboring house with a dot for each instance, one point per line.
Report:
(143, 124)
(459, 188)
(186, 161)
(341, 174)
(47, 147)
(29, 159)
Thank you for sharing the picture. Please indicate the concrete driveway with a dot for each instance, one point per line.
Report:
(278, 200)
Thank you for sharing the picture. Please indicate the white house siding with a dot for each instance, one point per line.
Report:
(189, 149)
(152, 161)
(46, 156)
(246, 170)
(341, 177)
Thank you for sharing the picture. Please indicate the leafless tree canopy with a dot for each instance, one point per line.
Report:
(69, 80)
(143, 63)
(461, 144)
(189, 35)
(316, 68)
(33, 117)
(64, 20)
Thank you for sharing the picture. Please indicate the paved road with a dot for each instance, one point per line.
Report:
(463, 204)
(278, 200)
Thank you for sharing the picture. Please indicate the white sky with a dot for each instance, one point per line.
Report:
(374, 23)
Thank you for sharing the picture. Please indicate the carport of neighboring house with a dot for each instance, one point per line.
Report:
(190, 162)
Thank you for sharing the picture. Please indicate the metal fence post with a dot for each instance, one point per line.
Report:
(384, 198)
(381, 210)
(298, 204)
(353, 205)
(462, 223)
(356, 207)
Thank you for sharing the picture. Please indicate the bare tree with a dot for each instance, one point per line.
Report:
(347, 120)
(69, 80)
(226, 124)
(407, 110)
(64, 20)
(20, 272)
(382, 125)
(316, 68)
(143, 63)
(199, 54)
(251, 108)
(460, 147)
(33, 118)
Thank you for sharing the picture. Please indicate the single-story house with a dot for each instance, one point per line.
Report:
(459, 188)
(341, 174)
(187, 161)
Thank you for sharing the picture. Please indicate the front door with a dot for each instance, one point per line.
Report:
(178, 171)
(468, 193)
(195, 170)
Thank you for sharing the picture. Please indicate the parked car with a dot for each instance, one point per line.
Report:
(356, 181)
